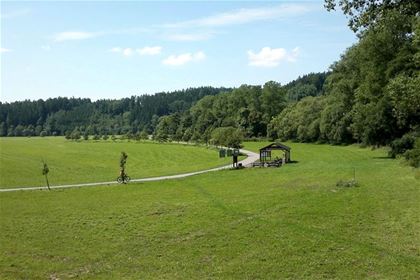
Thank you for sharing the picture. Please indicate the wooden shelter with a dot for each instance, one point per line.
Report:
(265, 152)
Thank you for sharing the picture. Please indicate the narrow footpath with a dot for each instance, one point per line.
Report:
(251, 157)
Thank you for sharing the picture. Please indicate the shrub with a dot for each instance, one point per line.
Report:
(144, 135)
(347, 184)
(413, 155)
(400, 146)
(130, 135)
(75, 135)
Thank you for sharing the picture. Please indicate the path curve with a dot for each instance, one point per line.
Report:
(251, 157)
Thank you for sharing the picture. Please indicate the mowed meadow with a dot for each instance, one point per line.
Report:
(256, 223)
(72, 162)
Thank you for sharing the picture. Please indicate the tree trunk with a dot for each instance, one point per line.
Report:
(48, 184)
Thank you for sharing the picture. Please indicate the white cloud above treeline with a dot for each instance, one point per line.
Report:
(243, 16)
(268, 57)
(181, 59)
(46, 48)
(73, 35)
(150, 50)
(200, 28)
(123, 51)
(4, 50)
(141, 51)
(15, 14)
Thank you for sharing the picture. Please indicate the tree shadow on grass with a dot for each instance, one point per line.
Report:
(383, 157)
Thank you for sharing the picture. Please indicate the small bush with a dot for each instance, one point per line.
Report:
(400, 146)
(413, 157)
(75, 135)
(347, 184)
(130, 135)
(144, 135)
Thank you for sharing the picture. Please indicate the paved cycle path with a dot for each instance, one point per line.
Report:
(251, 157)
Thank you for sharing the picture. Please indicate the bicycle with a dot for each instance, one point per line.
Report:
(123, 179)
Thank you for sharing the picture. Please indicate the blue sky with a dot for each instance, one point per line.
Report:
(118, 49)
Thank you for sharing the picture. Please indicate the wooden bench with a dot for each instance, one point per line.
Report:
(273, 164)
(258, 163)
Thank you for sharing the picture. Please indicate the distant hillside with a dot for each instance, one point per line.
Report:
(311, 84)
(56, 116)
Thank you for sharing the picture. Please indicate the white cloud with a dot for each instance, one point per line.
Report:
(294, 54)
(14, 14)
(116, 50)
(81, 35)
(269, 57)
(123, 51)
(150, 50)
(199, 56)
(46, 48)
(4, 50)
(127, 51)
(244, 16)
(177, 60)
(204, 27)
(74, 35)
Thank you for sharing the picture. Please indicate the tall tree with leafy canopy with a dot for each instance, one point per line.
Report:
(364, 14)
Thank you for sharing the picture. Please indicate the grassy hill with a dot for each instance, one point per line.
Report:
(261, 223)
(95, 161)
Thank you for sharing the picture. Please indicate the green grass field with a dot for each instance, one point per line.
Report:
(261, 223)
(90, 161)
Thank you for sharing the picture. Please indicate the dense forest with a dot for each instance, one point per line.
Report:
(62, 115)
(370, 96)
(58, 116)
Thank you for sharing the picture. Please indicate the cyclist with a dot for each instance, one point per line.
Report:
(122, 174)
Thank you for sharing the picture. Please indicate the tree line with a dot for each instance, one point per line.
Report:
(248, 109)
(142, 114)
(62, 115)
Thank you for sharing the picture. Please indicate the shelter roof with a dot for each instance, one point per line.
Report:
(275, 146)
